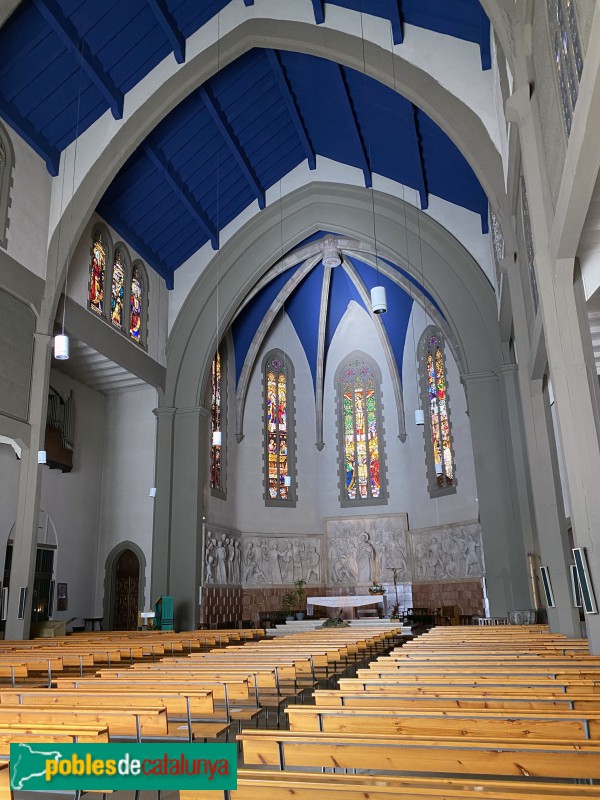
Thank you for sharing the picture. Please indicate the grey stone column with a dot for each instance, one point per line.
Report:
(576, 413)
(554, 541)
(28, 501)
(161, 549)
(182, 463)
(505, 558)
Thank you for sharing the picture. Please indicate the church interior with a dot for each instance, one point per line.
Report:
(301, 299)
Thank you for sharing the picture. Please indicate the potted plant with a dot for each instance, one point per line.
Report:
(288, 603)
(300, 595)
(376, 588)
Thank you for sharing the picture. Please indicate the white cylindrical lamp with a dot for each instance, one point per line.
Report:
(419, 416)
(378, 300)
(61, 347)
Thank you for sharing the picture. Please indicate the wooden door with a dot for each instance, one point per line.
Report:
(127, 586)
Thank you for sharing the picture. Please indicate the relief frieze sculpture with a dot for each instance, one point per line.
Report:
(360, 550)
(281, 560)
(222, 557)
(448, 552)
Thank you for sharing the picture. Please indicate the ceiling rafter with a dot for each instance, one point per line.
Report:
(26, 129)
(178, 186)
(139, 245)
(319, 11)
(485, 46)
(230, 139)
(397, 21)
(347, 104)
(288, 97)
(415, 137)
(167, 22)
(77, 46)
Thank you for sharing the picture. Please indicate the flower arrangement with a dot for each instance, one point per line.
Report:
(334, 622)
(377, 588)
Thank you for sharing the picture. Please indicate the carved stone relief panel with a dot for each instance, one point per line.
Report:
(222, 557)
(361, 550)
(280, 560)
(447, 552)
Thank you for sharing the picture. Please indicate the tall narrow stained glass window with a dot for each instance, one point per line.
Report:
(435, 390)
(136, 305)
(279, 444)
(97, 274)
(216, 461)
(117, 291)
(358, 386)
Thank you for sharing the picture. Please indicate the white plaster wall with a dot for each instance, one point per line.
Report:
(78, 287)
(126, 511)
(424, 511)
(72, 500)
(247, 481)
(27, 236)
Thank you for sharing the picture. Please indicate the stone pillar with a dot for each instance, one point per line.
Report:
(28, 501)
(182, 464)
(161, 548)
(505, 558)
(554, 541)
(576, 412)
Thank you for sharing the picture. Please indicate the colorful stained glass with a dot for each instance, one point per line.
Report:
(97, 273)
(277, 430)
(438, 412)
(117, 292)
(135, 320)
(216, 449)
(361, 441)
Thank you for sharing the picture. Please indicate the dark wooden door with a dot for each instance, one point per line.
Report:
(127, 586)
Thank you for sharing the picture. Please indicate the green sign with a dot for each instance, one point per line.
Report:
(68, 767)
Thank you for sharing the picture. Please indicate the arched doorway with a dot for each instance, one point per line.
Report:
(126, 594)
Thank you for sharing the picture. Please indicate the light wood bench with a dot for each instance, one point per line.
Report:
(253, 785)
(565, 726)
(409, 754)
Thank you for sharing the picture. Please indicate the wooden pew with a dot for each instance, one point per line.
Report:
(565, 726)
(444, 756)
(253, 785)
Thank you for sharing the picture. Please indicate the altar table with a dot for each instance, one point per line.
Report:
(345, 601)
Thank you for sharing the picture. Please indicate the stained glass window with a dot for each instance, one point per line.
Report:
(361, 457)
(437, 411)
(568, 57)
(216, 463)
(97, 274)
(136, 305)
(278, 410)
(117, 292)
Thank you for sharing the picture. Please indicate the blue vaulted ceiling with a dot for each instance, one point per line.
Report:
(308, 309)
(65, 62)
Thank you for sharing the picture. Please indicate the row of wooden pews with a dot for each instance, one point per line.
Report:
(35, 708)
(503, 713)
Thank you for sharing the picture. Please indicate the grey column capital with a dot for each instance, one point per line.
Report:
(164, 411)
(193, 411)
(472, 378)
(507, 369)
(518, 105)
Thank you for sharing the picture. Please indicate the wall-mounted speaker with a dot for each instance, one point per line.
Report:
(547, 584)
(575, 587)
(588, 597)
